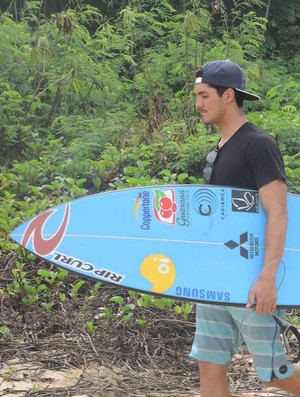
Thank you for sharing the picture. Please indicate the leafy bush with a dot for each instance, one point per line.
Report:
(86, 109)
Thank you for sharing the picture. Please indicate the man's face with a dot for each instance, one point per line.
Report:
(210, 104)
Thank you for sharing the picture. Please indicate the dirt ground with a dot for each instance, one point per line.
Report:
(114, 362)
(27, 377)
(20, 379)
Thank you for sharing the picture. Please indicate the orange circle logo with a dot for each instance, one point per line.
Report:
(160, 271)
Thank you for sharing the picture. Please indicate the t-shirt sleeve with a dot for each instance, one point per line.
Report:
(264, 160)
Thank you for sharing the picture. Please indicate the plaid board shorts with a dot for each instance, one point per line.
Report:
(220, 330)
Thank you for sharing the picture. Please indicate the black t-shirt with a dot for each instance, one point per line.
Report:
(249, 159)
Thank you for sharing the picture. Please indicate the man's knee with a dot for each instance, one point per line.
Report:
(277, 383)
(284, 383)
(212, 369)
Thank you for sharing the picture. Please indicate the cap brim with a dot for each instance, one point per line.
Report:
(248, 96)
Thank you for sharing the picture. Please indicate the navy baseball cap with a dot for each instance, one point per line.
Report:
(226, 74)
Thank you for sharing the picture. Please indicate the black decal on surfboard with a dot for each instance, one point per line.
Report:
(233, 244)
(244, 201)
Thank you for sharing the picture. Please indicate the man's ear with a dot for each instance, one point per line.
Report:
(229, 95)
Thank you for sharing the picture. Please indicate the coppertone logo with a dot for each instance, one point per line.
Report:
(142, 209)
(245, 201)
(35, 232)
(164, 206)
(248, 245)
(205, 202)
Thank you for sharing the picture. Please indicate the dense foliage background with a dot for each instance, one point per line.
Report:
(98, 95)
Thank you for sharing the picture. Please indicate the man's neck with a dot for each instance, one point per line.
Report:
(231, 125)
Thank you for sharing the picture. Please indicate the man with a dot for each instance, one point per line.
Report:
(244, 157)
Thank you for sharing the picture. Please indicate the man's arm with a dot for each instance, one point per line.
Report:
(273, 196)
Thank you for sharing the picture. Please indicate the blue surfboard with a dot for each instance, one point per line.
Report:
(192, 242)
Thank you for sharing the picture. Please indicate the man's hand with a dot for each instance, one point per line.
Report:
(263, 296)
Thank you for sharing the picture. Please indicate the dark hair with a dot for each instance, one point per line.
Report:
(199, 73)
(239, 98)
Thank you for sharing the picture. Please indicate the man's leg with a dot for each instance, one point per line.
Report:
(216, 339)
(213, 380)
(290, 384)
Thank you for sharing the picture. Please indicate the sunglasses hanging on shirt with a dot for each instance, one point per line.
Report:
(208, 169)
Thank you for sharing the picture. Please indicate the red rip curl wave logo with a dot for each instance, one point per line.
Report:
(34, 230)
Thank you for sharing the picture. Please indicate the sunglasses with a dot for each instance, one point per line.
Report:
(207, 171)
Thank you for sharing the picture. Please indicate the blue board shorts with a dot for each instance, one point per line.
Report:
(220, 330)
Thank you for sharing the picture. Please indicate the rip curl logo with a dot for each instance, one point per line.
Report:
(34, 231)
(233, 244)
(245, 201)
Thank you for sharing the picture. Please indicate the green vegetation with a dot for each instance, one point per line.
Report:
(93, 99)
